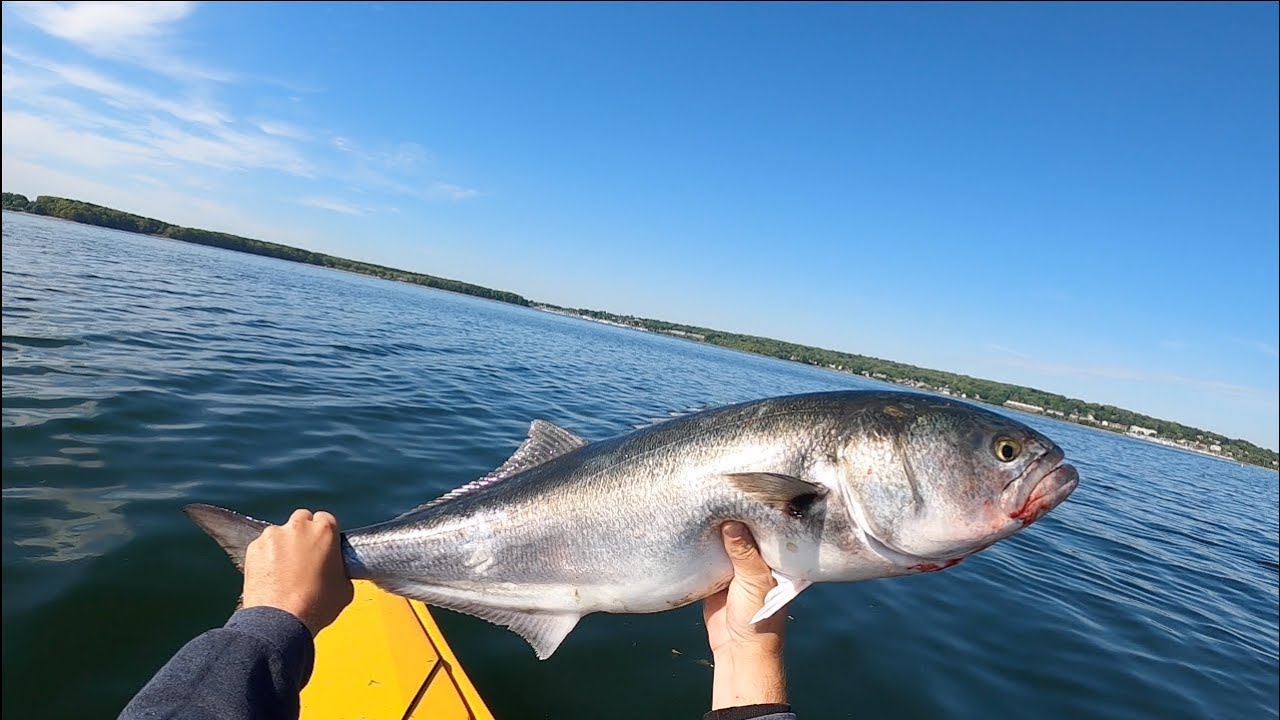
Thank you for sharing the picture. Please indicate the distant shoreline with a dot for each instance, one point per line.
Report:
(1105, 417)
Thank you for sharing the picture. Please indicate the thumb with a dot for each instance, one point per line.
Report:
(745, 556)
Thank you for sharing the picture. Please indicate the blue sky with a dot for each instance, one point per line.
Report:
(1076, 197)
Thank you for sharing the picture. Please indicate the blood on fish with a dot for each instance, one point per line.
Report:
(934, 567)
(1031, 511)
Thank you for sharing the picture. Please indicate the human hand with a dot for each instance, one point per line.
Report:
(748, 658)
(297, 567)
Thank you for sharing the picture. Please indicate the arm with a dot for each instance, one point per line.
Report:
(257, 664)
(253, 667)
(748, 682)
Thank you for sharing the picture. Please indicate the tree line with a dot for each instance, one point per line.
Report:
(90, 214)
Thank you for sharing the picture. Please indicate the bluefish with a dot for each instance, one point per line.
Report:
(835, 487)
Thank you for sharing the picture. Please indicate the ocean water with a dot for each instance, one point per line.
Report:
(141, 374)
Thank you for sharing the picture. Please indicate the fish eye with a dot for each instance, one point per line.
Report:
(1007, 449)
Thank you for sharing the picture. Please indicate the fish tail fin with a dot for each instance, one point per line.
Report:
(232, 531)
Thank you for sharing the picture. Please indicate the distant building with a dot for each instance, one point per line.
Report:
(1055, 413)
(1024, 407)
(1139, 430)
(1215, 448)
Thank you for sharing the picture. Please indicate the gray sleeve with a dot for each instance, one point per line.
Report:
(253, 667)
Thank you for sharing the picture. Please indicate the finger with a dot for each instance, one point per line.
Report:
(741, 547)
(737, 539)
(299, 516)
(326, 519)
(748, 566)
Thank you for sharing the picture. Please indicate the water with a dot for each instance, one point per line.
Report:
(141, 374)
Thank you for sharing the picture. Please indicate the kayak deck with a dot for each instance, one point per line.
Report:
(385, 658)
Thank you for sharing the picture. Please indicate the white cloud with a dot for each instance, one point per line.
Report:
(154, 134)
(23, 131)
(284, 130)
(152, 143)
(449, 191)
(138, 32)
(104, 26)
(224, 148)
(398, 170)
(331, 204)
(1268, 349)
(113, 92)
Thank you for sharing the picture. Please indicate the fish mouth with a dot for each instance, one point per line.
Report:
(1042, 487)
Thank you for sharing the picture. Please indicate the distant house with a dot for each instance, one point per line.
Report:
(1139, 430)
(1024, 407)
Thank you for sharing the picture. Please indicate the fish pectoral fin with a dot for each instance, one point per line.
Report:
(784, 492)
(784, 592)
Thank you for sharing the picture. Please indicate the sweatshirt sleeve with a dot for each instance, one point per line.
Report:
(778, 711)
(253, 667)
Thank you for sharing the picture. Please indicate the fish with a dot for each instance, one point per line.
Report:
(840, 486)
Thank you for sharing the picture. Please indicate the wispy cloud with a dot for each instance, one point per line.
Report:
(331, 204)
(284, 130)
(398, 169)
(104, 27)
(449, 191)
(137, 32)
(142, 129)
(51, 74)
(1009, 351)
(1265, 348)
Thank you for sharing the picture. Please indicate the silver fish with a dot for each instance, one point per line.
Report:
(838, 486)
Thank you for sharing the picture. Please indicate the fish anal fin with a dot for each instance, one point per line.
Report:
(786, 493)
(542, 630)
(784, 592)
(544, 442)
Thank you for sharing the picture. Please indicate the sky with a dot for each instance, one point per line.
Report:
(1076, 197)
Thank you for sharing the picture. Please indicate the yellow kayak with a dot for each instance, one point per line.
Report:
(385, 659)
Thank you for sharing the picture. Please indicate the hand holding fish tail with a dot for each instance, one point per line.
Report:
(297, 567)
(747, 656)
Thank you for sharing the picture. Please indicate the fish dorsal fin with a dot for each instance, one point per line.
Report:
(545, 442)
(783, 492)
